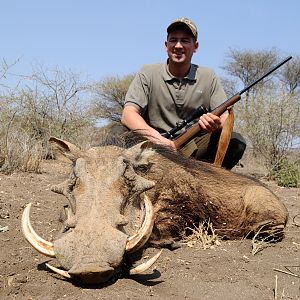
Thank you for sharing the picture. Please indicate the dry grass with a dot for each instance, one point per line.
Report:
(288, 272)
(22, 154)
(204, 234)
(264, 239)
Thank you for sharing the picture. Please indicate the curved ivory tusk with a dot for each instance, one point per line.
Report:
(145, 266)
(33, 238)
(58, 271)
(139, 239)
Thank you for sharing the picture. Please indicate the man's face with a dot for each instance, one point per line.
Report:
(180, 46)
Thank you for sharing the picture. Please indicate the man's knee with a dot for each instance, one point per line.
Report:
(206, 148)
(235, 151)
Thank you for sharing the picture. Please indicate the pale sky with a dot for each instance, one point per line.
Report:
(117, 37)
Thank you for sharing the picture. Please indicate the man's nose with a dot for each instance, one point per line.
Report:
(178, 44)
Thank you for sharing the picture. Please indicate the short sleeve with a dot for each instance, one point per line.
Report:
(139, 90)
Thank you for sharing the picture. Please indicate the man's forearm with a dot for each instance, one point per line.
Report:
(134, 121)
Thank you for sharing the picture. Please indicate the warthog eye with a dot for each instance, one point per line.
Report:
(144, 168)
(139, 168)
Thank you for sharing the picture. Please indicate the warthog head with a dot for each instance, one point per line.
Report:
(103, 190)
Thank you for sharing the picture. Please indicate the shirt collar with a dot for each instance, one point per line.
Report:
(190, 76)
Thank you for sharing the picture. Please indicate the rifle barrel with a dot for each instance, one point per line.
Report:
(265, 75)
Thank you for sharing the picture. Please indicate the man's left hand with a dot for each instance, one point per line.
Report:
(210, 122)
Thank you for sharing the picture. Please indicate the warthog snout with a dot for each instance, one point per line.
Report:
(91, 273)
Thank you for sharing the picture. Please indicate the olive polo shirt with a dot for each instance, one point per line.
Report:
(163, 99)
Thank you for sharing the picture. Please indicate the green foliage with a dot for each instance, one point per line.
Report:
(287, 173)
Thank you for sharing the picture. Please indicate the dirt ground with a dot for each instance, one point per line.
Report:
(227, 271)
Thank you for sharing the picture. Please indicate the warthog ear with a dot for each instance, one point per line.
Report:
(66, 149)
(140, 153)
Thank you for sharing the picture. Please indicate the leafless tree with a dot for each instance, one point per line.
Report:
(4, 69)
(48, 103)
(230, 86)
(290, 74)
(272, 124)
(55, 101)
(268, 116)
(249, 65)
(109, 96)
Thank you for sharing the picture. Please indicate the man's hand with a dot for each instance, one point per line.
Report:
(210, 122)
(171, 145)
(160, 140)
(132, 119)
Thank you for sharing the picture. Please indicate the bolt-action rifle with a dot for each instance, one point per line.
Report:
(191, 131)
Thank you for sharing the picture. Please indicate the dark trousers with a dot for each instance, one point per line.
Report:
(204, 148)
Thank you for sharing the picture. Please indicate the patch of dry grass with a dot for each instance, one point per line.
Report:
(203, 233)
(264, 239)
(22, 154)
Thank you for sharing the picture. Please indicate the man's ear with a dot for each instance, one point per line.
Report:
(166, 47)
(196, 46)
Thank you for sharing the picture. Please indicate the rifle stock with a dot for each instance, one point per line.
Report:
(195, 129)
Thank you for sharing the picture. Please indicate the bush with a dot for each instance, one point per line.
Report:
(287, 173)
(46, 104)
(21, 153)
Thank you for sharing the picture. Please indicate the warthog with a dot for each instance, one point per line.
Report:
(112, 189)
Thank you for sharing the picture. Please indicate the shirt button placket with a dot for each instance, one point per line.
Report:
(181, 90)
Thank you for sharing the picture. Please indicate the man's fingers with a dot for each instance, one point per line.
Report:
(209, 122)
(215, 118)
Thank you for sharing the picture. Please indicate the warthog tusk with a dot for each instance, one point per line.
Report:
(139, 239)
(58, 271)
(33, 238)
(145, 266)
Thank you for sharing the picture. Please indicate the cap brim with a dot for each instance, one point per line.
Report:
(171, 26)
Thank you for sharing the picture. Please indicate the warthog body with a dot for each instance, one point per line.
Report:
(105, 190)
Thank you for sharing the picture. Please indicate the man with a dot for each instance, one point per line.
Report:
(163, 94)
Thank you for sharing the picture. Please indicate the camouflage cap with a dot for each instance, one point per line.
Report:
(186, 22)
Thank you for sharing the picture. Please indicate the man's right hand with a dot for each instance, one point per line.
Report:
(132, 119)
